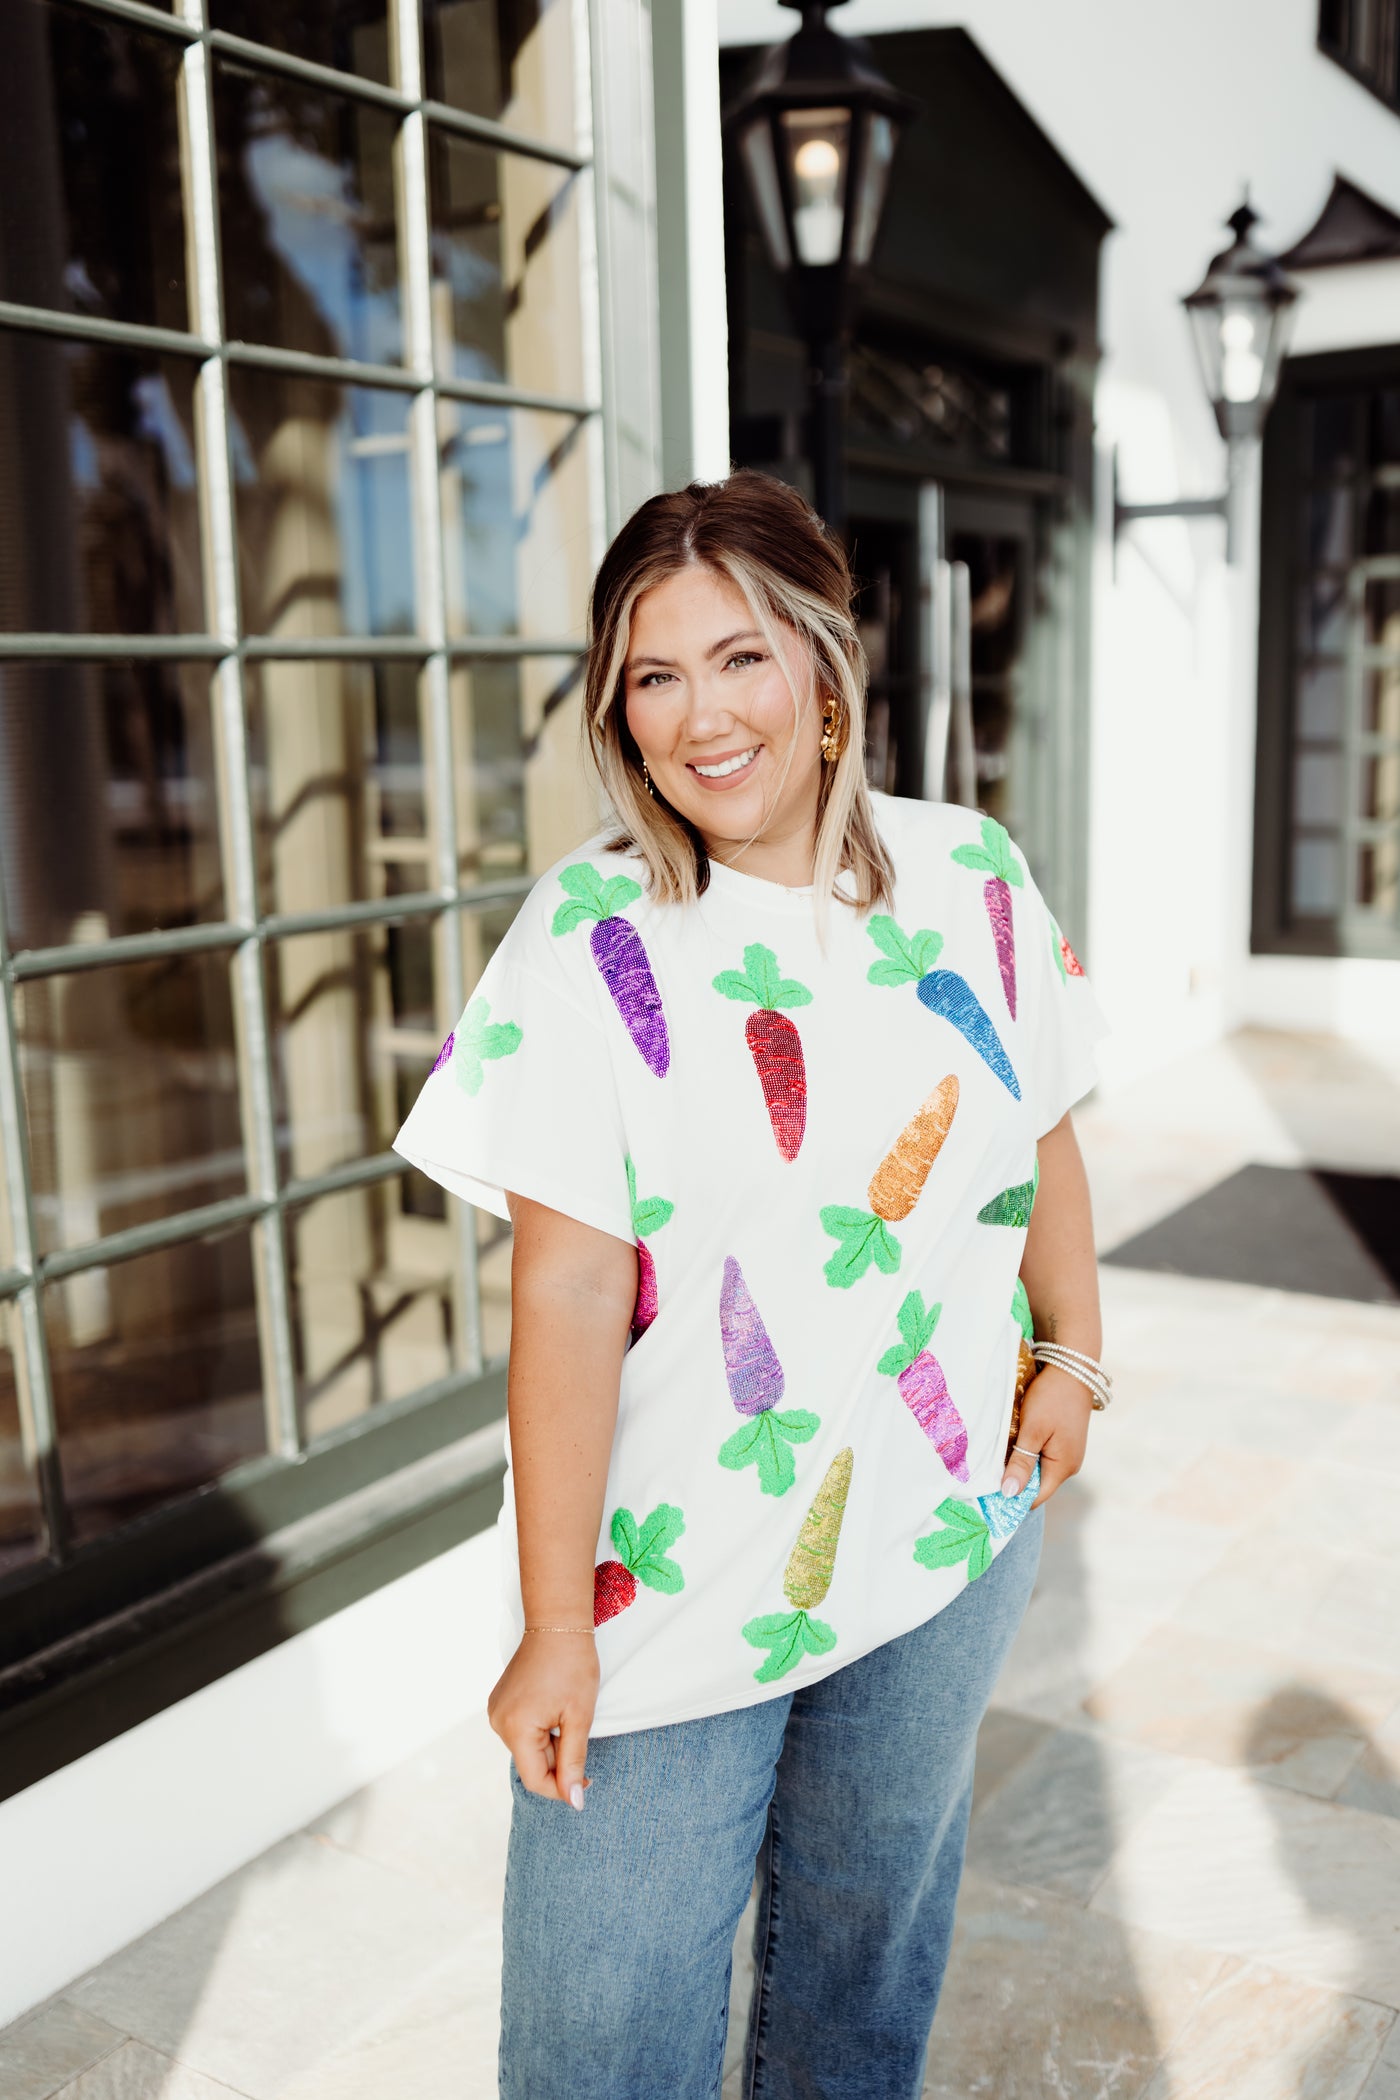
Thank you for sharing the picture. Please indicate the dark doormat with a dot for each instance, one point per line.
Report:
(1291, 1228)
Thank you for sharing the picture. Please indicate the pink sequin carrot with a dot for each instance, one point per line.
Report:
(1002, 868)
(922, 1385)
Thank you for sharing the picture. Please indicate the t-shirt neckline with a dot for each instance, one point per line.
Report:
(758, 891)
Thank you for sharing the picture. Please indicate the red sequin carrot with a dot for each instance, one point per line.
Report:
(774, 1043)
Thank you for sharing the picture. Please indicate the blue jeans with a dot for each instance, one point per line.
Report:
(850, 1795)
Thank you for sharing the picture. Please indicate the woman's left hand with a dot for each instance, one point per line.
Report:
(1055, 1426)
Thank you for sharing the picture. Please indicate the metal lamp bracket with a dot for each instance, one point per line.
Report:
(1224, 506)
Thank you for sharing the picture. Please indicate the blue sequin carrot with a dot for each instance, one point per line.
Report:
(910, 959)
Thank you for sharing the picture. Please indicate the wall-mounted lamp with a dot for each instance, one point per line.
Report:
(816, 125)
(1241, 314)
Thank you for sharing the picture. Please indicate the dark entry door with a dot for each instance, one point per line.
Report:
(943, 673)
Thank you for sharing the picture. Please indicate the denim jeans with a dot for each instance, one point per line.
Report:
(850, 1796)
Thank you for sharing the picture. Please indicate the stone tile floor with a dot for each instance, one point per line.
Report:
(1183, 1876)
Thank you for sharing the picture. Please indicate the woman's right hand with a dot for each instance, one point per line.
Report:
(550, 1682)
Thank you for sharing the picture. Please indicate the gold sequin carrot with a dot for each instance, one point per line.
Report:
(789, 1635)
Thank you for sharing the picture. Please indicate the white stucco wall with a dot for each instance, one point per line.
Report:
(1165, 113)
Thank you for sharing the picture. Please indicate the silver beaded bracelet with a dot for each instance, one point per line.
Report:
(1087, 1369)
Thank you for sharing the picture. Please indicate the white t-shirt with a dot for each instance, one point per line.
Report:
(826, 1159)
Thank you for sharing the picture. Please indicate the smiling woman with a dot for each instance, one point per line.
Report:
(733, 720)
(855, 1549)
(726, 694)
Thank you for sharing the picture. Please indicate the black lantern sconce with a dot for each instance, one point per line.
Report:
(1241, 314)
(816, 126)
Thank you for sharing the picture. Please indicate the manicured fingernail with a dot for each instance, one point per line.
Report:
(1011, 1485)
(576, 1794)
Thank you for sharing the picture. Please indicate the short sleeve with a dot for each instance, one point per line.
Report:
(523, 1097)
(1065, 1020)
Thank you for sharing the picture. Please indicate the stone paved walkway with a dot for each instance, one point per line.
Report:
(1184, 1871)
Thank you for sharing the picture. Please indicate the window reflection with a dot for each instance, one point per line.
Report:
(131, 1094)
(514, 506)
(111, 819)
(372, 1303)
(306, 202)
(90, 213)
(336, 753)
(351, 35)
(525, 797)
(20, 1524)
(98, 508)
(505, 268)
(346, 1010)
(156, 1376)
(324, 515)
(512, 60)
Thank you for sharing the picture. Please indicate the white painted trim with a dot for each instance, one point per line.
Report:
(114, 1842)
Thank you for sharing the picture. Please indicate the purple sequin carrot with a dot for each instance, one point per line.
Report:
(618, 951)
(750, 1361)
(922, 1386)
(755, 1379)
(995, 855)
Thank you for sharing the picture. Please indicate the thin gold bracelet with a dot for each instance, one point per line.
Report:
(559, 1629)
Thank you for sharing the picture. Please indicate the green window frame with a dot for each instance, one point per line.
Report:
(99, 1634)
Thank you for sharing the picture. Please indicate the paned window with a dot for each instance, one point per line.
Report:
(299, 501)
(1328, 872)
(1364, 35)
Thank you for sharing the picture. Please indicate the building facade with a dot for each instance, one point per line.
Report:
(1201, 760)
(328, 359)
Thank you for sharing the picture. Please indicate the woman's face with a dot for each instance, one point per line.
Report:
(713, 715)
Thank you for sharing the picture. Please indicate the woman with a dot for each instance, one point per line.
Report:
(768, 1077)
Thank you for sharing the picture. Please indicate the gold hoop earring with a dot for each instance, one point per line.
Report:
(833, 740)
(647, 778)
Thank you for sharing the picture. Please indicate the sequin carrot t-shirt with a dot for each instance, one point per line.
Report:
(826, 1160)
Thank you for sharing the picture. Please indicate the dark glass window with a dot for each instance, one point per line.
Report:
(90, 213)
(510, 476)
(306, 205)
(1365, 36)
(511, 60)
(131, 1094)
(505, 250)
(256, 768)
(1329, 875)
(157, 1377)
(339, 793)
(99, 512)
(325, 534)
(108, 816)
(351, 35)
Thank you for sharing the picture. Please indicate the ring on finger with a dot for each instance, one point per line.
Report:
(1027, 1449)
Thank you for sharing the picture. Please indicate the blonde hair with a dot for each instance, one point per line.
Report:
(761, 536)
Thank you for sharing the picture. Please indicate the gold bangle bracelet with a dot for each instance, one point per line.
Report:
(559, 1629)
